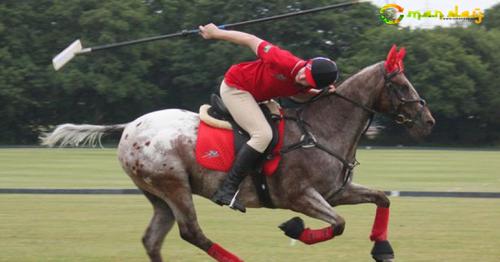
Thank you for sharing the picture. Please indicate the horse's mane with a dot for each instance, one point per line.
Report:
(355, 81)
(360, 74)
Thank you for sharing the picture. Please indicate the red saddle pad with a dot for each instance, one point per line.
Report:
(215, 149)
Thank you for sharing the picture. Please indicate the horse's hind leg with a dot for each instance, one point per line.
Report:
(161, 223)
(357, 194)
(177, 194)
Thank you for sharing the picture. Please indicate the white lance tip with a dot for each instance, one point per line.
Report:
(67, 54)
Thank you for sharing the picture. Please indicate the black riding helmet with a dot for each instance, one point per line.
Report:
(321, 72)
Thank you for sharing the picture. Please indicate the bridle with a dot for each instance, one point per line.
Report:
(399, 116)
(397, 113)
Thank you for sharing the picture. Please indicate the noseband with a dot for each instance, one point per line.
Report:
(397, 114)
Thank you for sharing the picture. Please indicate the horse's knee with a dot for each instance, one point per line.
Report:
(338, 228)
(383, 200)
(145, 241)
(152, 247)
(188, 234)
(149, 242)
(193, 235)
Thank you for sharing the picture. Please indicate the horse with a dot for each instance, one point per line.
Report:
(315, 174)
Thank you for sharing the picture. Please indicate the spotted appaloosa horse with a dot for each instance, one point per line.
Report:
(157, 153)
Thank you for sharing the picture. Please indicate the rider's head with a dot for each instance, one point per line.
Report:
(320, 72)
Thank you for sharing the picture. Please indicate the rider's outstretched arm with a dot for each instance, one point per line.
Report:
(211, 31)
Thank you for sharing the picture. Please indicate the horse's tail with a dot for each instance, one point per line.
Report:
(78, 135)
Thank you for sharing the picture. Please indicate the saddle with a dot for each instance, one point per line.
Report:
(220, 137)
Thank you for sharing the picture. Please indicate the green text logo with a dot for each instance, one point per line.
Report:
(389, 14)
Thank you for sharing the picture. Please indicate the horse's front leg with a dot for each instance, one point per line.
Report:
(357, 194)
(312, 204)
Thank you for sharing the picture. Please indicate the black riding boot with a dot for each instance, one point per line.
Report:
(245, 160)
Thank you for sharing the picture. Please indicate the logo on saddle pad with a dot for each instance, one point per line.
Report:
(211, 154)
(216, 150)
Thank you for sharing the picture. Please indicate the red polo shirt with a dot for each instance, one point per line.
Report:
(270, 76)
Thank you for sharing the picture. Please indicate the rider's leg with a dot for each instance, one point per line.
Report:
(246, 112)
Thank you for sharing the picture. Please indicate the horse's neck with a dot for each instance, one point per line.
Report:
(339, 123)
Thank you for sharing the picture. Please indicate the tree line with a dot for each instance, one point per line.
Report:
(455, 69)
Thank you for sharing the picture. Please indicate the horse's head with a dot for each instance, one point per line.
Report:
(400, 99)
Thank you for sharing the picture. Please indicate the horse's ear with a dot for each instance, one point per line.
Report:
(394, 60)
(390, 61)
(401, 56)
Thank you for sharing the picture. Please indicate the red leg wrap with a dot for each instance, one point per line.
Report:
(222, 255)
(313, 236)
(379, 229)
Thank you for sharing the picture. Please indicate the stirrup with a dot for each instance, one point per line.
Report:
(236, 205)
(233, 202)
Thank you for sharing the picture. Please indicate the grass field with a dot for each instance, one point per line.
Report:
(109, 227)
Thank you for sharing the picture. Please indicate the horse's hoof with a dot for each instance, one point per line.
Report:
(382, 251)
(293, 227)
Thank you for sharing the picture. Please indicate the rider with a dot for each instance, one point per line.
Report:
(277, 73)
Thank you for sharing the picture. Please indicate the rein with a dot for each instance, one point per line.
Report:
(307, 140)
(398, 116)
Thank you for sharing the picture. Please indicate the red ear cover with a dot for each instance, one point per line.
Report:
(401, 56)
(394, 60)
(389, 61)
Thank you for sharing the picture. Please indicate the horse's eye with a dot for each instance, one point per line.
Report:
(422, 102)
